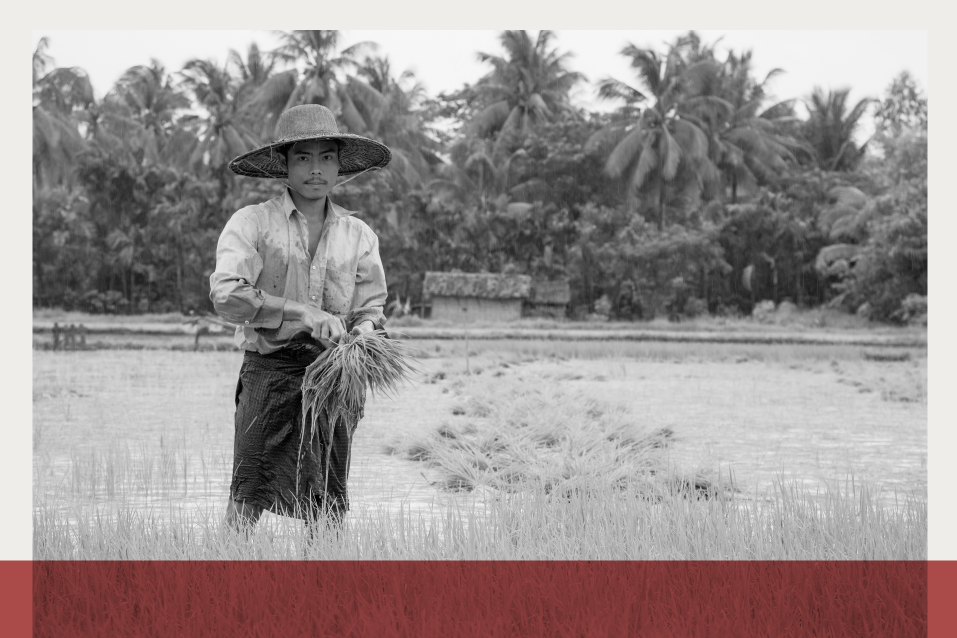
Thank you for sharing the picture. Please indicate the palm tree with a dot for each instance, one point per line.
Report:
(59, 98)
(222, 133)
(748, 141)
(152, 105)
(477, 168)
(526, 87)
(400, 126)
(831, 127)
(354, 102)
(252, 71)
(651, 145)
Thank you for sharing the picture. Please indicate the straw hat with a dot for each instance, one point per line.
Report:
(312, 122)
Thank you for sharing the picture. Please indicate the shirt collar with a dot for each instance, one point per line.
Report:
(288, 206)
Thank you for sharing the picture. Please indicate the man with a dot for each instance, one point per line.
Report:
(294, 274)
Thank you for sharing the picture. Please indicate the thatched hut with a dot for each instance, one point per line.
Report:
(549, 299)
(467, 297)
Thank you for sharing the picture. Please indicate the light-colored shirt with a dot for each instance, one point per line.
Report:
(262, 259)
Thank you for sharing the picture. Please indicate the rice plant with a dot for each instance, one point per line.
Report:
(334, 386)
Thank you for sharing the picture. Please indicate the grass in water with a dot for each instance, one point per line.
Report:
(595, 522)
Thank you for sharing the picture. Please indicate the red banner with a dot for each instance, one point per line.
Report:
(420, 599)
(16, 597)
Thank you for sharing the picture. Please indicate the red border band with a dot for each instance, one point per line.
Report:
(698, 598)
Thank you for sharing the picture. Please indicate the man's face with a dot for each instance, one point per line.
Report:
(313, 166)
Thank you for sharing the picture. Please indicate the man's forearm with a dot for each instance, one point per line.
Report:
(293, 310)
(238, 302)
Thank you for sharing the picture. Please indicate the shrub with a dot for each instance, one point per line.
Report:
(695, 307)
(893, 263)
(763, 311)
(914, 309)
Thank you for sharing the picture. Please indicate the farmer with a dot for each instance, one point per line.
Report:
(294, 274)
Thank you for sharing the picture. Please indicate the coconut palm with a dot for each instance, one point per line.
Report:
(59, 98)
(527, 86)
(831, 127)
(222, 133)
(354, 102)
(252, 71)
(651, 145)
(400, 126)
(748, 141)
(477, 168)
(152, 105)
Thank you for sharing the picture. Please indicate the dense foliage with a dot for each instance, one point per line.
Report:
(696, 194)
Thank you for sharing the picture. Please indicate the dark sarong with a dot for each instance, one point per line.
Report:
(274, 466)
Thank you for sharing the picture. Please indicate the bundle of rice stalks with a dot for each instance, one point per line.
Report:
(335, 384)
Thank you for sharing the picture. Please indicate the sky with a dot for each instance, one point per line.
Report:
(444, 60)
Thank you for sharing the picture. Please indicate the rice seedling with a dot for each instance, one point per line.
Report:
(334, 385)
(545, 436)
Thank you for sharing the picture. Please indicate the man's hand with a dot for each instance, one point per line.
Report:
(363, 326)
(321, 325)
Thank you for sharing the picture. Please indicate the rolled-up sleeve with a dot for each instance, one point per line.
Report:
(370, 294)
(238, 266)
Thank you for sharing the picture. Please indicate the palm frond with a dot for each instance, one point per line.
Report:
(670, 154)
(274, 94)
(612, 89)
(625, 152)
(611, 134)
(648, 165)
(691, 138)
(490, 118)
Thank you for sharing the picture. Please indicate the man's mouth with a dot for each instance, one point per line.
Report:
(317, 182)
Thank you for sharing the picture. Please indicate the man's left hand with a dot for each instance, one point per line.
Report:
(363, 326)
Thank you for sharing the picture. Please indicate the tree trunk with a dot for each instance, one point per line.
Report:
(661, 203)
(132, 291)
(179, 279)
(799, 270)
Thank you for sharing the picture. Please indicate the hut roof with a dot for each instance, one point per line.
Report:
(485, 285)
(551, 292)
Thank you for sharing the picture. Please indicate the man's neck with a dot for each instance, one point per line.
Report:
(313, 209)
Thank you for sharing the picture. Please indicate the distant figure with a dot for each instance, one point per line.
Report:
(56, 336)
(69, 341)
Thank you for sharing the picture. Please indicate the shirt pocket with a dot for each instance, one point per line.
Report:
(337, 290)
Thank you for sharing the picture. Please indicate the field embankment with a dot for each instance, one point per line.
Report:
(817, 328)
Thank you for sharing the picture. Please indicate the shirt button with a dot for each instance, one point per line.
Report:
(248, 322)
(313, 298)
(313, 267)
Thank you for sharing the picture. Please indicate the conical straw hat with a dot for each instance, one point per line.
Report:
(312, 122)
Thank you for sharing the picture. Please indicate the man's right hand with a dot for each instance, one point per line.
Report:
(321, 325)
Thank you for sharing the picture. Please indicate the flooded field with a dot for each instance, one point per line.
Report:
(151, 430)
